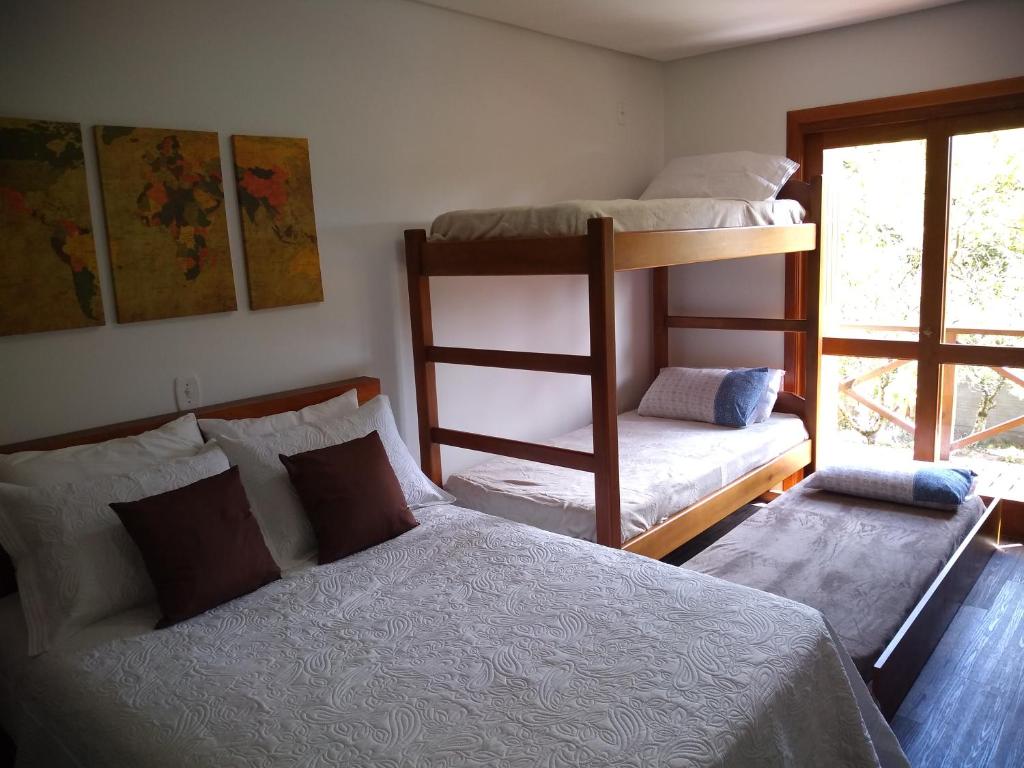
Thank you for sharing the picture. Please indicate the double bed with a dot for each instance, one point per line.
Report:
(468, 640)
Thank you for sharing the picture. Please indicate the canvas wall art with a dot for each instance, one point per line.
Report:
(48, 275)
(275, 198)
(163, 194)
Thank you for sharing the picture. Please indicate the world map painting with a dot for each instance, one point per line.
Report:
(164, 199)
(275, 197)
(48, 275)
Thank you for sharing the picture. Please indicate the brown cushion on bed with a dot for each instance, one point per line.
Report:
(201, 545)
(8, 584)
(351, 494)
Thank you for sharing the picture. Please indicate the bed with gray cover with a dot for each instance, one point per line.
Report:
(863, 563)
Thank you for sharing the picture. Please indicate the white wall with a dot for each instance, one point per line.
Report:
(409, 111)
(738, 99)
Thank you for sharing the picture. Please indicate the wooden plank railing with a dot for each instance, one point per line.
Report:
(951, 337)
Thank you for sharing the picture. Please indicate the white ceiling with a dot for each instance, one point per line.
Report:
(672, 29)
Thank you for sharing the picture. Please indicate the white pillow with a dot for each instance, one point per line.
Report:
(82, 463)
(741, 175)
(335, 408)
(76, 562)
(722, 396)
(274, 502)
(764, 407)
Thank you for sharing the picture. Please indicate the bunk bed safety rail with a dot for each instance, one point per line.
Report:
(591, 255)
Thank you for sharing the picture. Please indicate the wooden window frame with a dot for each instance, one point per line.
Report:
(935, 116)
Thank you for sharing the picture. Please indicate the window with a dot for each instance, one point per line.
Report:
(923, 328)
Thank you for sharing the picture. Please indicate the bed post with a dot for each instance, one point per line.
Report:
(659, 319)
(422, 337)
(601, 285)
(814, 288)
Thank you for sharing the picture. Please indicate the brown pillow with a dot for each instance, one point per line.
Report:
(8, 584)
(201, 545)
(351, 496)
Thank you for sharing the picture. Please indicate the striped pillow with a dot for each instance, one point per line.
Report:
(729, 398)
(919, 483)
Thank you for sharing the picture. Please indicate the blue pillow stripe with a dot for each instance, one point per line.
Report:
(738, 395)
(942, 485)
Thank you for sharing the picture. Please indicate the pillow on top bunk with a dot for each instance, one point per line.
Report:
(918, 483)
(740, 175)
(729, 398)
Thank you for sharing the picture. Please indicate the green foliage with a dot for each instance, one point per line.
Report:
(877, 263)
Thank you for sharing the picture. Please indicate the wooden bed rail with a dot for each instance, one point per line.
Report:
(592, 255)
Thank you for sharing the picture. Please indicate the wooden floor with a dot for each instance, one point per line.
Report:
(967, 707)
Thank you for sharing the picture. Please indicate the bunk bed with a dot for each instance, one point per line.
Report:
(493, 247)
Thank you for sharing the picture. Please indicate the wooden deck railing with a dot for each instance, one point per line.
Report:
(952, 336)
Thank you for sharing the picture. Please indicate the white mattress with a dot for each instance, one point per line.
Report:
(570, 218)
(664, 466)
(467, 642)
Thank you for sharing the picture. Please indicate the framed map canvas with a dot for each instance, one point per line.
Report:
(164, 198)
(275, 197)
(48, 275)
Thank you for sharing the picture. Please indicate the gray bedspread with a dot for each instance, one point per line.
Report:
(467, 642)
(862, 563)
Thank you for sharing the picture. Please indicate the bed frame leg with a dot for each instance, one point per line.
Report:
(813, 282)
(601, 285)
(659, 322)
(422, 337)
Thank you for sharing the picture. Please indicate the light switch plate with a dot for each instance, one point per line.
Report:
(186, 392)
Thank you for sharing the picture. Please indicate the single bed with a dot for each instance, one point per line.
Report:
(665, 465)
(866, 565)
(570, 218)
(467, 641)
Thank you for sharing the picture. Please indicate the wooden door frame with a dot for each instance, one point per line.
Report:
(934, 116)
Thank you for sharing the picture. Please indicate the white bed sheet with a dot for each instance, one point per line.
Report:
(664, 466)
(570, 218)
(15, 661)
(468, 641)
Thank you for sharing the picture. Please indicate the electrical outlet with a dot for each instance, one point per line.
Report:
(186, 392)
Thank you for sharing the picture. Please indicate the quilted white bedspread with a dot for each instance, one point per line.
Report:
(469, 641)
(664, 466)
(570, 218)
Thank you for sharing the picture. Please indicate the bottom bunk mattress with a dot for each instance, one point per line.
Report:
(664, 465)
(863, 563)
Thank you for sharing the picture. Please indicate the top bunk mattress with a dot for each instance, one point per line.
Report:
(863, 563)
(664, 465)
(570, 218)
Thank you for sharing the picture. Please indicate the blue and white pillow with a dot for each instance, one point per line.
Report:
(729, 398)
(919, 483)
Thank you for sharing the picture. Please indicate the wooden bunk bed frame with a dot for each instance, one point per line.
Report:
(598, 255)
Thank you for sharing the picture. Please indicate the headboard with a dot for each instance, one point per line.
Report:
(251, 407)
(367, 388)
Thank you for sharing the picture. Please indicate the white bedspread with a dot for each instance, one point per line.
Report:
(570, 218)
(468, 641)
(664, 466)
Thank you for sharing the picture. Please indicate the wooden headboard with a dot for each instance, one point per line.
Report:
(367, 388)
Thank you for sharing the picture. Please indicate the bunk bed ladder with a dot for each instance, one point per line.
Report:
(805, 403)
(590, 255)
